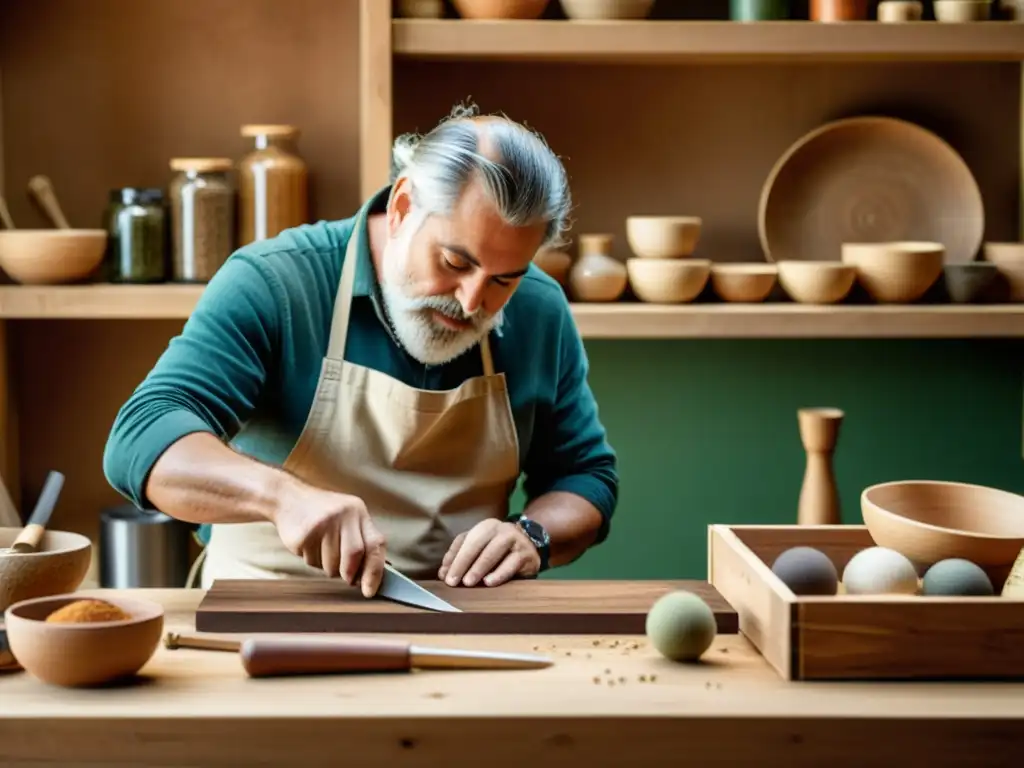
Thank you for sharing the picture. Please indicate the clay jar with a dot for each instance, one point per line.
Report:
(554, 262)
(839, 10)
(597, 275)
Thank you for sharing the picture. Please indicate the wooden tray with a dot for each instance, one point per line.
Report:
(519, 607)
(857, 637)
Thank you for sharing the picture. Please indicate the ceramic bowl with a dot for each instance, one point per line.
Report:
(607, 9)
(51, 256)
(663, 237)
(817, 282)
(1009, 261)
(83, 654)
(58, 567)
(968, 283)
(960, 11)
(898, 272)
(746, 283)
(668, 281)
(896, 11)
(930, 520)
(500, 9)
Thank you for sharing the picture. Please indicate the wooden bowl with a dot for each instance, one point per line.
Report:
(746, 283)
(817, 282)
(896, 11)
(968, 283)
(961, 11)
(931, 520)
(83, 654)
(1009, 261)
(57, 568)
(668, 281)
(869, 180)
(663, 237)
(607, 9)
(51, 256)
(500, 9)
(896, 272)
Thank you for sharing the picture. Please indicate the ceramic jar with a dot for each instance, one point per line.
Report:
(554, 262)
(839, 10)
(597, 275)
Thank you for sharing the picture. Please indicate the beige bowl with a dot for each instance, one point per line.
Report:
(607, 9)
(747, 283)
(899, 272)
(58, 567)
(817, 282)
(960, 11)
(930, 520)
(83, 654)
(668, 281)
(500, 9)
(51, 256)
(663, 237)
(1009, 260)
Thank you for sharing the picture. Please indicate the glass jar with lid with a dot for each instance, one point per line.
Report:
(202, 217)
(272, 183)
(136, 222)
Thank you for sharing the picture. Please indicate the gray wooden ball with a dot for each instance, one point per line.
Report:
(807, 571)
(956, 577)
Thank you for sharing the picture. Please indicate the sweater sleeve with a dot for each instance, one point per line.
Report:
(570, 450)
(209, 379)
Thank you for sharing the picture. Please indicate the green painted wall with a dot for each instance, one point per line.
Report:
(706, 432)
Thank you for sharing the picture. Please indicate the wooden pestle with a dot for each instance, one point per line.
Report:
(819, 497)
(42, 189)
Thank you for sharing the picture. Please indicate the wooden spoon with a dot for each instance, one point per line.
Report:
(28, 540)
(42, 189)
(5, 215)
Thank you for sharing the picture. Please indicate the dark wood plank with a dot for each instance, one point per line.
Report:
(520, 607)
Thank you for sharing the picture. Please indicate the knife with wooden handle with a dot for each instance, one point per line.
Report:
(268, 657)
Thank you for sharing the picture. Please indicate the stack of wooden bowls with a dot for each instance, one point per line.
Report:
(662, 270)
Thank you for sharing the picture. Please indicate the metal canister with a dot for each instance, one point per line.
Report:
(143, 548)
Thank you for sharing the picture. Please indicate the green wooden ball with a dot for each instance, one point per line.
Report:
(681, 626)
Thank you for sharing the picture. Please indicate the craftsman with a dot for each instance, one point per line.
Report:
(373, 388)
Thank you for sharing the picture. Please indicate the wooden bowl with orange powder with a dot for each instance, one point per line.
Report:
(79, 640)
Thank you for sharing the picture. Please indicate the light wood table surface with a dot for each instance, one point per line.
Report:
(606, 701)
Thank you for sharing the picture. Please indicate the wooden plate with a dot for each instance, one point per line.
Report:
(869, 179)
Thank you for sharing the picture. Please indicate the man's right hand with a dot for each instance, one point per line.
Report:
(334, 532)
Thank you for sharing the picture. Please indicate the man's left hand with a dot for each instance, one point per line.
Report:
(491, 552)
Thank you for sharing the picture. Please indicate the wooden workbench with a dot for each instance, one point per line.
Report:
(607, 701)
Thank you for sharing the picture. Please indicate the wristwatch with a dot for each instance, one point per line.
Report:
(536, 533)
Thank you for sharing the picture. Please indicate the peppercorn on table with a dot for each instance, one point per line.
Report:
(604, 701)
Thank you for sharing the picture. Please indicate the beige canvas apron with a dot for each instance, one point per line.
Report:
(428, 465)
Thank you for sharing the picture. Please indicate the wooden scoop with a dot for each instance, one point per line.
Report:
(28, 540)
(42, 189)
(276, 656)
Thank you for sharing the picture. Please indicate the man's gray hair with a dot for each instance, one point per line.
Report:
(522, 176)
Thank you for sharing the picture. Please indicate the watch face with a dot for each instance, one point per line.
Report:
(535, 531)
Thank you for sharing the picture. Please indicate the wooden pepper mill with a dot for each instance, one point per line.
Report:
(819, 497)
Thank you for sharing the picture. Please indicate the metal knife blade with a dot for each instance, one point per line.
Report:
(400, 588)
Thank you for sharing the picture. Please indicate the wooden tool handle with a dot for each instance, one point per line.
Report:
(265, 657)
(42, 188)
(29, 538)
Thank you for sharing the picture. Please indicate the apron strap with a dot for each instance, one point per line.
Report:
(343, 302)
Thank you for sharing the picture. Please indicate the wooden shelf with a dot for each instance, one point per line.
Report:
(670, 41)
(619, 320)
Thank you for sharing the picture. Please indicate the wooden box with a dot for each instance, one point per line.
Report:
(857, 637)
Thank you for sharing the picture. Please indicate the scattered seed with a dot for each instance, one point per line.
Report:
(611, 682)
(588, 655)
(642, 678)
(653, 678)
(596, 643)
(435, 695)
(622, 679)
(607, 671)
(536, 647)
(597, 679)
(723, 650)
